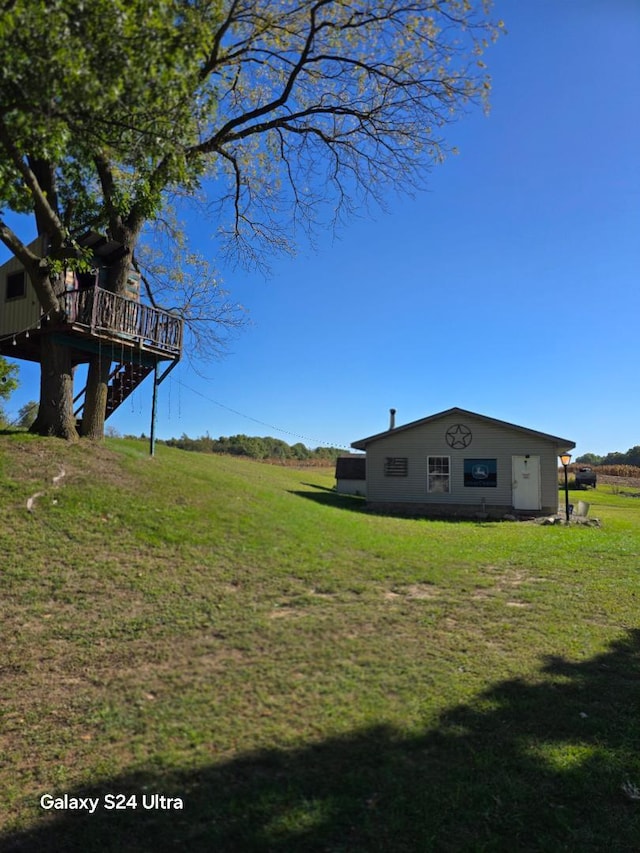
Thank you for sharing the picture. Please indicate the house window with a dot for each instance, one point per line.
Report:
(396, 466)
(438, 468)
(16, 288)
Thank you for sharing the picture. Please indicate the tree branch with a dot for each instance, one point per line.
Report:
(35, 266)
(145, 281)
(108, 185)
(15, 245)
(223, 133)
(211, 63)
(46, 214)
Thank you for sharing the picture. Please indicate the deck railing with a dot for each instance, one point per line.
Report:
(106, 313)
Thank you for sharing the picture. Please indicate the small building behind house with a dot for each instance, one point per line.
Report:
(351, 474)
(460, 463)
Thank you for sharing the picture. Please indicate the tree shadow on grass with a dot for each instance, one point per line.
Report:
(321, 488)
(355, 503)
(329, 497)
(527, 766)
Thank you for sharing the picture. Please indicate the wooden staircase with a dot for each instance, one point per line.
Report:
(123, 381)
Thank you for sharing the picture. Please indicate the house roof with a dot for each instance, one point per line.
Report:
(563, 443)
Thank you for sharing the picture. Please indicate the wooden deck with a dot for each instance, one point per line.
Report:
(100, 313)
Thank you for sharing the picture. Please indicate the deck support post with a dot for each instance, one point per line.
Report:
(156, 381)
(154, 402)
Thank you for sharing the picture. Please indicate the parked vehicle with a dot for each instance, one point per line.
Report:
(586, 477)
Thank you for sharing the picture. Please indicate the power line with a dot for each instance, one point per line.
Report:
(257, 420)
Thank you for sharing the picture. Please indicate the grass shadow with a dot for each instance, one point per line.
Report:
(329, 497)
(330, 489)
(544, 765)
(355, 503)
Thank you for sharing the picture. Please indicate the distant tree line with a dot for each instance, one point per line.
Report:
(255, 448)
(8, 384)
(631, 457)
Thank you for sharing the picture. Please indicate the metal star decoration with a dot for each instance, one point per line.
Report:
(458, 436)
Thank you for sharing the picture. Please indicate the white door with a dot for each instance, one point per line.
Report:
(526, 482)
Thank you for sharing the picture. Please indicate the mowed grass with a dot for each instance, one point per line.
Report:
(304, 675)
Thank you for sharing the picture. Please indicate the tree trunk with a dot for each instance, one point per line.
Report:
(94, 413)
(95, 400)
(55, 413)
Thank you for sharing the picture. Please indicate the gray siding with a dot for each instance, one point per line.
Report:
(488, 441)
(17, 315)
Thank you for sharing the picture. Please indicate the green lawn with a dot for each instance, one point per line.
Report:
(303, 675)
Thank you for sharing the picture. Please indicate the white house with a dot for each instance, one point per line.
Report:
(459, 463)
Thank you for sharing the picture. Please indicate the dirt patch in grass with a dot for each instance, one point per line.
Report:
(48, 465)
(415, 590)
(506, 585)
(286, 613)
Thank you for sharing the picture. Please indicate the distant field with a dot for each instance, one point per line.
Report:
(301, 675)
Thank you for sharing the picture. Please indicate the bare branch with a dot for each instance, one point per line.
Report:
(328, 96)
(145, 281)
(224, 132)
(238, 184)
(212, 61)
(186, 282)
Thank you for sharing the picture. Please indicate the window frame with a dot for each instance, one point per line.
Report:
(440, 476)
(23, 286)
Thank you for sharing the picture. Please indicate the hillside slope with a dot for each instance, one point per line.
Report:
(302, 675)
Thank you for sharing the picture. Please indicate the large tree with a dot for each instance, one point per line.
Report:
(272, 114)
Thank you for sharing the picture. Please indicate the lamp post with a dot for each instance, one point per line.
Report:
(565, 459)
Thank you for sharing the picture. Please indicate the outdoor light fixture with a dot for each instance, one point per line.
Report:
(565, 458)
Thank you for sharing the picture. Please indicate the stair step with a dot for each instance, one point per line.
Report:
(125, 379)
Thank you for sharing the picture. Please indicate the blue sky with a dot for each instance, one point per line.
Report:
(509, 288)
